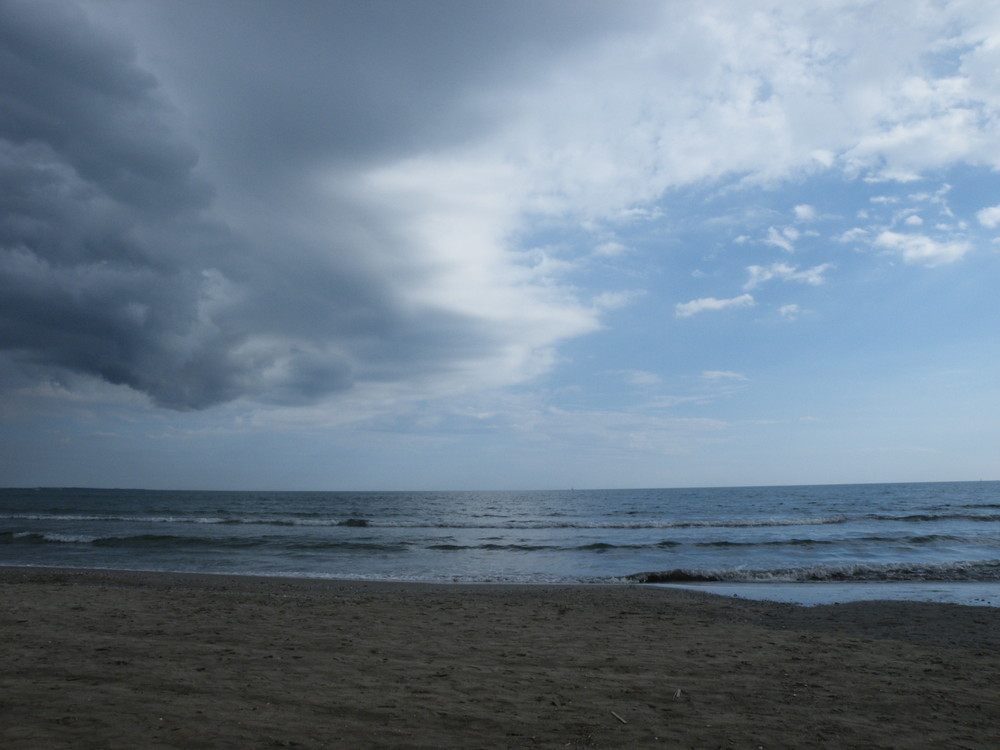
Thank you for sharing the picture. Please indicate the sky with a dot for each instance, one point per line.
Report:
(459, 244)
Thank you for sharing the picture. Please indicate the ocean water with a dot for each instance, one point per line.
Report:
(930, 540)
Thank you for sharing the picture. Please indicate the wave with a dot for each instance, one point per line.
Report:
(931, 517)
(171, 541)
(31, 537)
(212, 520)
(439, 543)
(629, 525)
(988, 570)
(601, 547)
(515, 547)
(137, 540)
(539, 524)
(850, 541)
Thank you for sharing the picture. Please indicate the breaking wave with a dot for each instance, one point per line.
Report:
(988, 570)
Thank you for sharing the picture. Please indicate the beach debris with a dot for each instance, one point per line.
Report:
(619, 718)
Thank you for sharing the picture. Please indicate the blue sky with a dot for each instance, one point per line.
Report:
(447, 245)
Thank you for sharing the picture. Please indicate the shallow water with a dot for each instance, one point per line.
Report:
(814, 594)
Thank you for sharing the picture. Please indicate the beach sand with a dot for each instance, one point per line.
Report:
(95, 659)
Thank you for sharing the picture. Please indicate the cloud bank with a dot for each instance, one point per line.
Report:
(123, 258)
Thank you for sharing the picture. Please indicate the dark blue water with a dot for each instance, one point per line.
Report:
(898, 533)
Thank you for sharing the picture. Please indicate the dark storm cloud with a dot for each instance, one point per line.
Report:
(353, 82)
(75, 95)
(107, 266)
(89, 176)
(111, 264)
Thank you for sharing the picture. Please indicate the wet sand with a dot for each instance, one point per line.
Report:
(96, 659)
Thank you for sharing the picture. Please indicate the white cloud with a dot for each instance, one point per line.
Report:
(785, 272)
(918, 248)
(790, 312)
(902, 151)
(637, 213)
(853, 235)
(687, 309)
(783, 238)
(615, 300)
(722, 375)
(805, 212)
(837, 92)
(823, 157)
(989, 217)
(640, 378)
(610, 249)
(913, 221)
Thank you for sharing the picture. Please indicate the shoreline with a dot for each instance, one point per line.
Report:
(967, 593)
(104, 658)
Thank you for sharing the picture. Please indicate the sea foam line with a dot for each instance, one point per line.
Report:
(985, 570)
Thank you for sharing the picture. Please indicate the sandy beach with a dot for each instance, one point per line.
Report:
(95, 659)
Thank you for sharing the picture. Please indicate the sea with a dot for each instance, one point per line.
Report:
(807, 544)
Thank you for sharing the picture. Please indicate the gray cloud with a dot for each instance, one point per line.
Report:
(114, 260)
(108, 265)
(95, 193)
(350, 81)
(75, 97)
